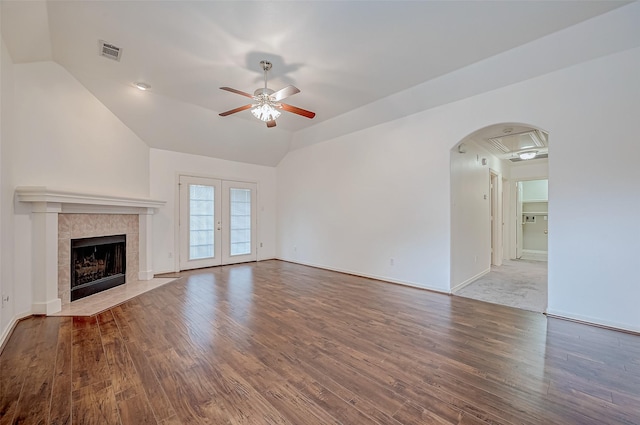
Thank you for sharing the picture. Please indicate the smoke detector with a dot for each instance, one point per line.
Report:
(110, 51)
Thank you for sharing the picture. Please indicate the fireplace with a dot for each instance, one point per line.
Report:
(97, 264)
(57, 216)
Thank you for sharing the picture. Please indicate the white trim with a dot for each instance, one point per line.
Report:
(534, 251)
(592, 320)
(44, 194)
(47, 204)
(368, 276)
(472, 279)
(145, 275)
(47, 307)
(10, 327)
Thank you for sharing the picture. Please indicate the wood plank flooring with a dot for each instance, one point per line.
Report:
(280, 343)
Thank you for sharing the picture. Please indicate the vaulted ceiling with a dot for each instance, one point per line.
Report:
(342, 55)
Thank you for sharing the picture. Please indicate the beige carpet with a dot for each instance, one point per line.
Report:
(517, 283)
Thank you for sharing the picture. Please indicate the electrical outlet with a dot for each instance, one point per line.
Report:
(5, 300)
(260, 244)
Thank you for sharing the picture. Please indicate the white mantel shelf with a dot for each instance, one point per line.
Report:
(40, 194)
(47, 204)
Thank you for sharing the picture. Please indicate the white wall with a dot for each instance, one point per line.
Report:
(61, 137)
(7, 312)
(521, 171)
(67, 139)
(352, 202)
(359, 202)
(534, 237)
(165, 168)
(471, 212)
(592, 274)
(530, 170)
(535, 195)
(535, 190)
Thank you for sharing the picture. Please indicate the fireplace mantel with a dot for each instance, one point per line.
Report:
(77, 202)
(46, 204)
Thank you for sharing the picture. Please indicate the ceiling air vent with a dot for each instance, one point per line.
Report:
(109, 50)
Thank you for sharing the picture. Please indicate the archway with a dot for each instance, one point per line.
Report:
(486, 223)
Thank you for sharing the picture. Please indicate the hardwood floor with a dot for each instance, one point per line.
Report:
(279, 343)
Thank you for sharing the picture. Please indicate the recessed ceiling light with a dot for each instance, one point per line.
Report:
(142, 86)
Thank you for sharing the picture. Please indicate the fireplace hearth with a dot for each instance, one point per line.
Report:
(97, 264)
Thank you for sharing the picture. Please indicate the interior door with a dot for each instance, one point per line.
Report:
(200, 222)
(217, 222)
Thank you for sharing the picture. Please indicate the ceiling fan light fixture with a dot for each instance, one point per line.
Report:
(527, 155)
(267, 106)
(265, 112)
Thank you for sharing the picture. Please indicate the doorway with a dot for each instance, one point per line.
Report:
(532, 219)
(217, 222)
(495, 256)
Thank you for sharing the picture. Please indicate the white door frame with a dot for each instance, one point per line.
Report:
(516, 213)
(495, 194)
(227, 256)
(184, 262)
(222, 214)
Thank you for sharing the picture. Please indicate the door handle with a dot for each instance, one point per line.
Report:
(546, 232)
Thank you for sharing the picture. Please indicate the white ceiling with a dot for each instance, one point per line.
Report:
(342, 55)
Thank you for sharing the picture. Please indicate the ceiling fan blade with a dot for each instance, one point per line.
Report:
(241, 93)
(284, 93)
(297, 110)
(271, 123)
(233, 111)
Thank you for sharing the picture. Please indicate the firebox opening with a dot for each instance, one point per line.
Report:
(97, 264)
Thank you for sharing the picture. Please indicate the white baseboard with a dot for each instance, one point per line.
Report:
(160, 272)
(177, 270)
(369, 276)
(145, 275)
(625, 327)
(472, 279)
(6, 332)
(48, 307)
(534, 251)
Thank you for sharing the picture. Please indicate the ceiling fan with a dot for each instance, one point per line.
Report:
(267, 103)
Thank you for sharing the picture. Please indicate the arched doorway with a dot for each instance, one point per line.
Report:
(489, 218)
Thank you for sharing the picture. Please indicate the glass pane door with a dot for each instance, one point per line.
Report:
(200, 222)
(239, 211)
(240, 224)
(217, 222)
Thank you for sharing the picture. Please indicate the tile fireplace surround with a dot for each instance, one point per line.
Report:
(58, 216)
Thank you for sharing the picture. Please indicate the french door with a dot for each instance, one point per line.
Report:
(217, 222)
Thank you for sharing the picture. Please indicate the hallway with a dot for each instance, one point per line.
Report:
(517, 283)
